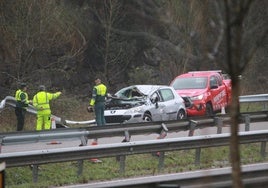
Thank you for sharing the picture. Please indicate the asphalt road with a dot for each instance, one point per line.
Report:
(75, 142)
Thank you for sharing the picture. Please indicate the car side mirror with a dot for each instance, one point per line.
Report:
(156, 104)
(154, 100)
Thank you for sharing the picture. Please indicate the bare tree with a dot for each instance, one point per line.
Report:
(111, 47)
(39, 39)
(236, 12)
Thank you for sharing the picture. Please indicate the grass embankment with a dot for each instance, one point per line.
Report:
(137, 165)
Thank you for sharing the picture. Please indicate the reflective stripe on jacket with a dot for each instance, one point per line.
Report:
(42, 98)
(21, 98)
(98, 94)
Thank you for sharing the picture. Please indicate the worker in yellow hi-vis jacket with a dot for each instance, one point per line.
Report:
(41, 103)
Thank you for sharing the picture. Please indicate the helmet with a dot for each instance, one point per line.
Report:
(42, 88)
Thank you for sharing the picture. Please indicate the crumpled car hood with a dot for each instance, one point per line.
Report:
(121, 103)
(122, 100)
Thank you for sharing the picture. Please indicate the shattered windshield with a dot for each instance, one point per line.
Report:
(190, 83)
(126, 98)
(129, 93)
(137, 91)
(131, 96)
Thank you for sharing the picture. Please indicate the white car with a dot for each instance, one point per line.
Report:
(140, 103)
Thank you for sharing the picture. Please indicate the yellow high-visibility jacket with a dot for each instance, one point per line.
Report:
(98, 94)
(41, 101)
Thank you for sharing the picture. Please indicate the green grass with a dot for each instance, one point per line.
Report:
(60, 174)
(254, 107)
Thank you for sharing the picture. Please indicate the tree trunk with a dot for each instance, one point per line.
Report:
(234, 140)
(235, 12)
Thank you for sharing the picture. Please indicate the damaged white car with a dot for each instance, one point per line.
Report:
(140, 103)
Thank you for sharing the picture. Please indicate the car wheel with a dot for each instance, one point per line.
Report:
(147, 117)
(209, 110)
(181, 114)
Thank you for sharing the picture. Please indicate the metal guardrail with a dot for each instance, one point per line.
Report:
(39, 157)
(11, 101)
(127, 130)
(253, 98)
(253, 175)
(127, 148)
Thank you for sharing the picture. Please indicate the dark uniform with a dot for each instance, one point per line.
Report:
(98, 101)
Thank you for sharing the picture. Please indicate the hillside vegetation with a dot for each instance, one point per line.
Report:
(65, 44)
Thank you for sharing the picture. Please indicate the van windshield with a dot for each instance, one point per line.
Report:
(190, 83)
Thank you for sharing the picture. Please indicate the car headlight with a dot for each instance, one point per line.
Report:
(134, 110)
(199, 97)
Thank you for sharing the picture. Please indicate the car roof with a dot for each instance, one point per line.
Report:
(147, 89)
(200, 73)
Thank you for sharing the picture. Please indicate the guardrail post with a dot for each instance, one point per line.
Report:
(219, 124)
(127, 136)
(161, 155)
(162, 135)
(122, 158)
(35, 173)
(1, 141)
(192, 127)
(80, 163)
(264, 106)
(263, 149)
(122, 163)
(247, 121)
(197, 156)
(84, 140)
(161, 161)
(163, 132)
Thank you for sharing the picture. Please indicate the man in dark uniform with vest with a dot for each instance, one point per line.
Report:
(21, 103)
(98, 101)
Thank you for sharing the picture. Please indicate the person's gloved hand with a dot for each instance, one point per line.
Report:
(90, 109)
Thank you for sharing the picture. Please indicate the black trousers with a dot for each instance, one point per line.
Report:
(20, 113)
